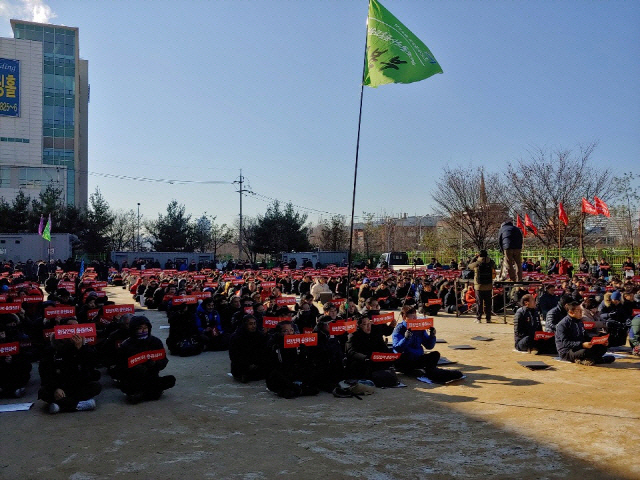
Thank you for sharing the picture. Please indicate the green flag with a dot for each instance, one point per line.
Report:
(46, 234)
(394, 54)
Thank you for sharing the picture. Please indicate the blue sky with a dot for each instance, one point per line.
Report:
(195, 90)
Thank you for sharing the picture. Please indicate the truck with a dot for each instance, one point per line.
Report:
(397, 261)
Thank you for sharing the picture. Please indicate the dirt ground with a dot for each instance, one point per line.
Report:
(503, 421)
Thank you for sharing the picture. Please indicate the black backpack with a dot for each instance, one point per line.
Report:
(485, 273)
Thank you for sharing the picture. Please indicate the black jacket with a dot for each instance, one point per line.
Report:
(510, 237)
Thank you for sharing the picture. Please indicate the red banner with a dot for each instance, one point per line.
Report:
(144, 357)
(63, 312)
(110, 311)
(600, 340)
(7, 349)
(384, 357)
(270, 322)
(293, 341)
(68, 286)
(337, 301)
(434, 301)
(543, 335)
(420, 323)
(81, 329)
(181, 299)
(268, 284)
(248, 310)
(636, 311)
(342, 327)
(588, 325)
(10, 307)
(383, 318)
(286, 301)
(32, 299)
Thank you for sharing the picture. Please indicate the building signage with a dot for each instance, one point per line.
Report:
(9, 88)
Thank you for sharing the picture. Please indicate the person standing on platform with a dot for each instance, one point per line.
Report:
(510, 240)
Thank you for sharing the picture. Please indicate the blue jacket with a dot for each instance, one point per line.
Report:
(412, 346)
(204, 319)
(569, 336)
(553, 318)
(510, 237)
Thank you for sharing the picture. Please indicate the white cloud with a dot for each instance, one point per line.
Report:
(30, 10)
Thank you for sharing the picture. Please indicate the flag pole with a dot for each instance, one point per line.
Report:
(355, 170)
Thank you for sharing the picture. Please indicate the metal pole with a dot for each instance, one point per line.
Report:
(138, 248)
(240, 229)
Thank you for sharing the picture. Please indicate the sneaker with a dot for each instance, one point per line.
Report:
(587, 362)
(535, 351)
(477, 321)
(86, 405)
(19, 393)
(606, 359)
(54, 408)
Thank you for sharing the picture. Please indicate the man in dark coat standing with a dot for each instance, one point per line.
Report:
(510, 240)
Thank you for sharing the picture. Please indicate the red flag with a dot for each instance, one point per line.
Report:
(521, 226)
(588, 208)
(562, 215)
(529, 223)
(601, 207)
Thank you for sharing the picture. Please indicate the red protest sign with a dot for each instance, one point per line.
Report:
(293, 341)
(636, 311)
(10, 307)
(110, 311)
(383, 318)
(199, 277)
(3, 298)
(99, 284)
(337, 301)
(144, 357)
(64, 312)
(182, 299)
(539, 335)
(93, 313)
(600, 340)
(68, 286)
(268, 284)
(588, 325)
(384, 357)
(286, 301)
(248, 310)
(342, 327)
(237, 281)
(95, 293)
(434, 301)
(7, 349)
(32, 299)
(81, 329)
(420, 323)
(270, 322)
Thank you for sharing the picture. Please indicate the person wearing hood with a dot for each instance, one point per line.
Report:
(141, 358)
(247, 351)
(510, 241)
(15, 368)
(209, 326)
(574, 345)
(68, 375)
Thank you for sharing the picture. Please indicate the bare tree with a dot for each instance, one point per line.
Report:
(538, 183)
(122, 231)
(471, 206)
(334, 234)
(220, 235)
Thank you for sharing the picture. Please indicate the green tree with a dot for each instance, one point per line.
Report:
(201, 233)
(280, 230)
(95, 237)
(49, 202)
(172, 232)
(19, 215)
(122, 232)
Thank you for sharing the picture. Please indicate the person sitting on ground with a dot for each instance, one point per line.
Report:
(526, 322)
(424, 296)
(304, 320)
(452, 300)
(15, 368)
(612, 314)
(68, 375)
(209, 325)
(140, 359)
(247, 352)
(410, 343)
(291, 373)
(556, 314)
(319, 287)
(634, 335)
(574, 345)
(360, 345)
(547, 301)
(372, 308)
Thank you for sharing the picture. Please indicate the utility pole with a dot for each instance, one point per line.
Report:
(240, 191)
(138, 226)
